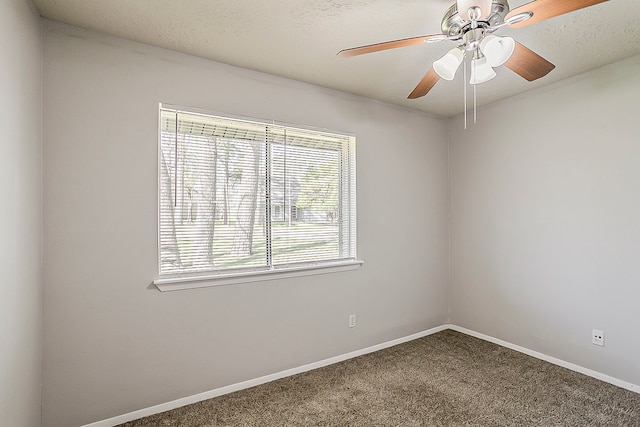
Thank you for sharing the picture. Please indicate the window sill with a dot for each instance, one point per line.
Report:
(168, 284)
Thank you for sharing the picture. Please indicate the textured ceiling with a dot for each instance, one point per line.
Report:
(299, 39)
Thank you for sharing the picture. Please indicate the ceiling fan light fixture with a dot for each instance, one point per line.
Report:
(481, 71)
(497, 50)
(464, 6)
(447, 66)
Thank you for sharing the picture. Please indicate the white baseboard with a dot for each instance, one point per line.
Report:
(111, 422)
(591, 373)
(257, 381)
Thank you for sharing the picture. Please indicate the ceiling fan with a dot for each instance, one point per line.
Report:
(472, 23)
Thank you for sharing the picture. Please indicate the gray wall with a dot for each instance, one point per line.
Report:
(546, 220)
(20, 214)
(113, 344)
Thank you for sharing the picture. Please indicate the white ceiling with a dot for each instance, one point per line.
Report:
(299, 39)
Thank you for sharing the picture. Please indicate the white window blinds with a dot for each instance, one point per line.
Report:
(243, 195)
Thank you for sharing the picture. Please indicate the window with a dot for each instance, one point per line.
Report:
(240, 196)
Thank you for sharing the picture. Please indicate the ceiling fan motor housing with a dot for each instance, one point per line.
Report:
(453, 24)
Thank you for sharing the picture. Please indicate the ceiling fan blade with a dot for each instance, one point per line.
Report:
(545, 9)
(425, 85)
(391, 45)
(528, 64)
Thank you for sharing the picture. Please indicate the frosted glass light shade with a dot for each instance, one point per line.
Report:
(465, 5)
(481, 71)
(497, 50)
(447, 66)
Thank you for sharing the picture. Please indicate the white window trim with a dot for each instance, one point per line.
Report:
(168, 283)
(192, 281)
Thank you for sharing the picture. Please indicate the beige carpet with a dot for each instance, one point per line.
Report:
(444, 379)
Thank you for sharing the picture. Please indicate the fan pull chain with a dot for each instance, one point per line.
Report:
(475, 101)
(475, 106)
(465, 93)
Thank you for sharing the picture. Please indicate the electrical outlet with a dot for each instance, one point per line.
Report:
(597, 337)
(352, 320)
